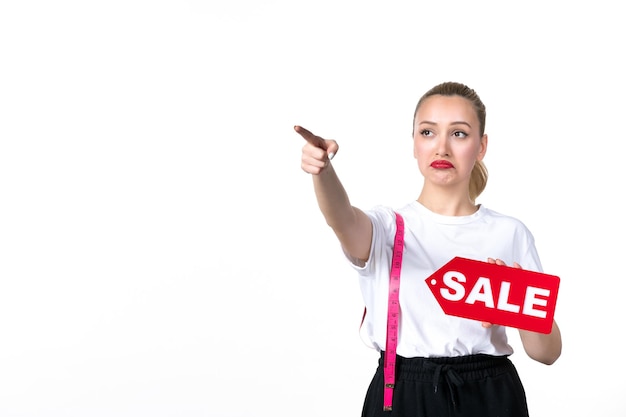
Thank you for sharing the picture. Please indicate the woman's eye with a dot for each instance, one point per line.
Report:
(460, 134)
(426, 132)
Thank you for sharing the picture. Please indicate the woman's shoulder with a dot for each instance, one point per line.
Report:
(501, 218)
(382, 217)
(382, 212)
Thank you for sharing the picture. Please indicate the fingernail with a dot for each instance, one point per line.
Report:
(331, 155)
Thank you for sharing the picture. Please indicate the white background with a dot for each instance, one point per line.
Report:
(161, 252)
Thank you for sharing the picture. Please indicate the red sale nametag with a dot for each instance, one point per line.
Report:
(496, 294)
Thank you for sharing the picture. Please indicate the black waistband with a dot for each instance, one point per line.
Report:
(451, 371)
(467, 367)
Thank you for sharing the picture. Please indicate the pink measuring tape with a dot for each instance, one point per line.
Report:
(393, 315)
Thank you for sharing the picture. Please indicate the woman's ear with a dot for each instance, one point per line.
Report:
(483, 147)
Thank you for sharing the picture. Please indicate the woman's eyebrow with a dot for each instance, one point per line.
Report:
(460, 122)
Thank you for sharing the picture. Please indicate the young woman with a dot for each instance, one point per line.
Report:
(445, 365)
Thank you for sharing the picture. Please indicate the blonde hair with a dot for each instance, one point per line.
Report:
(479, 175)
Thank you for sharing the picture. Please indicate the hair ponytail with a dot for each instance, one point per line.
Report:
(478, 180)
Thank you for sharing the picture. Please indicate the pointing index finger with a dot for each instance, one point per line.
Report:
(310, 137)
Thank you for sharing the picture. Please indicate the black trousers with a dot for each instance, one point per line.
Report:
(465, 386)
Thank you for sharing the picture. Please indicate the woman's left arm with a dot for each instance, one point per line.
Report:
(544, 348)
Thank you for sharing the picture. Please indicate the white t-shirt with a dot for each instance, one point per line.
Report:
(432, 240)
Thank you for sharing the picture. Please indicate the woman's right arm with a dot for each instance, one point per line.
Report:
(351, 225)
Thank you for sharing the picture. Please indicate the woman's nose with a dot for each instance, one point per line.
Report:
(442, 148)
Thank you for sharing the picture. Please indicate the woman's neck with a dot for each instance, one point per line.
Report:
(448, 204)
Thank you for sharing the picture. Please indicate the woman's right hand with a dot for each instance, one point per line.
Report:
(316, 152)
(486, 324)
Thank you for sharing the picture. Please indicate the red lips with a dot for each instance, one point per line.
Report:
(441, 164)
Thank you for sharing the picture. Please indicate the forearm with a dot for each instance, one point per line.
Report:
(332, 199)
(352, 227)
(544, 348)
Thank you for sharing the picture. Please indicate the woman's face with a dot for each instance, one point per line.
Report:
(446, 140)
